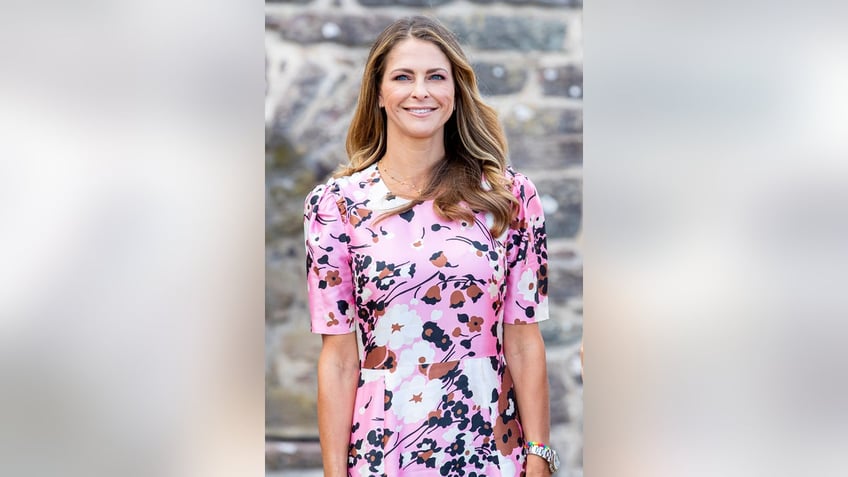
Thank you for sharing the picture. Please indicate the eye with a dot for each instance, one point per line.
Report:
(402, 77)
(437, 76)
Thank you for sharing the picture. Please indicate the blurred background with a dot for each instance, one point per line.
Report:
(136, 244)
(528, 59)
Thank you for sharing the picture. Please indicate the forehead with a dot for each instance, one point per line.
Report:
(413, 53)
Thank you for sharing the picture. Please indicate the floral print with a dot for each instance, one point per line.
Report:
(427, 300)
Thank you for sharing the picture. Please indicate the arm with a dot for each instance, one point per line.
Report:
(524, 350)
(338, 376)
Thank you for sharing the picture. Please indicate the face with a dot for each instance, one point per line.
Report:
(417, 90)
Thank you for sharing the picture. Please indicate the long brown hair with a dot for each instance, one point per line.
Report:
(475, 145)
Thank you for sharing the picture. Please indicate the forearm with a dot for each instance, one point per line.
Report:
(337, 381)
(525, 355)
(530, 376)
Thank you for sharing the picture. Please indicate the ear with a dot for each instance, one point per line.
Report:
(380, 102)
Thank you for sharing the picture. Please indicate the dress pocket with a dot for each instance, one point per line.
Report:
(368, 437)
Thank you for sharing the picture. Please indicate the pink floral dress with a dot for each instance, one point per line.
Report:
(427, 299)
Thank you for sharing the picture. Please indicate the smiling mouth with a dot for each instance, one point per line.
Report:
(420, 110)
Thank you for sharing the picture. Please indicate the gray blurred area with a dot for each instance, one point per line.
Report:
(528, 58)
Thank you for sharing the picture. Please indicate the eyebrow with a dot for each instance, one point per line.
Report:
(407, 70)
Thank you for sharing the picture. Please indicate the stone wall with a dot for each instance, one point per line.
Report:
(528, 58)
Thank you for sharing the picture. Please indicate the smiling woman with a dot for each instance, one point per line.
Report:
(427, 275)
(417, 94)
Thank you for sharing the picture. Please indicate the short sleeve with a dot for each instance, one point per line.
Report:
(526, 296)
(328, 266)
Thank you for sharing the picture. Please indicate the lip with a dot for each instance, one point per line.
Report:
(421, 111)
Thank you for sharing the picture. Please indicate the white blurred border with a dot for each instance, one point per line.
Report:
(131, 198)
(716, 232)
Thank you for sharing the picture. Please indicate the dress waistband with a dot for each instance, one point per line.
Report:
(390, 363)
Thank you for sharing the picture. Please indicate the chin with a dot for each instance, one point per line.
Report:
(419, 133)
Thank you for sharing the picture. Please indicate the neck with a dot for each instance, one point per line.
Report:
(413, 158)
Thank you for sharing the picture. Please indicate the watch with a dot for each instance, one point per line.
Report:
(545, 452)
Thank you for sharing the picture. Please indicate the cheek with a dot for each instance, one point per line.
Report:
(391, 95)
(448, 94)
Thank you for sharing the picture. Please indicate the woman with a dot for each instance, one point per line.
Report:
(427, 274)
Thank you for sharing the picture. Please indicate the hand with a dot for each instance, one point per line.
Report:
(536, 466)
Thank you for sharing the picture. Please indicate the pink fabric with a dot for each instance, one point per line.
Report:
(427, 299)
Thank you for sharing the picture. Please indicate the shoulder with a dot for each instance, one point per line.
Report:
(522, 187)
(338, 191)
(319, 195)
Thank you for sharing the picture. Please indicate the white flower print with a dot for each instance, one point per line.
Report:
(411, 358)
(493, 289)
(482, 380)
(421, 352)
(527, 285)
(537, 221)
(399, 326)
(507, 468)
(416, 398)
(365, 294)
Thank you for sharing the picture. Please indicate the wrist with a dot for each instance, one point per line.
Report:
(543, 453)
(536, 466)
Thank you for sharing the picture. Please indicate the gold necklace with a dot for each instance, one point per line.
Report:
(399, 181)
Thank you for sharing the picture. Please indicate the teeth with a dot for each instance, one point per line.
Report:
(420, 111)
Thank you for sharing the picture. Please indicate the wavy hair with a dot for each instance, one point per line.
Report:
(473, 171)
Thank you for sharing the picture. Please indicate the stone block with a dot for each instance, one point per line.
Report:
(564, 284)
(566, 81)
(490, 32)
(547, 152)
(304, 89)
(348, 30)
(543, 3)
(544, 137)
(403, 3)
(564, 206)
(290, 412)
(486, 32)
(543, 121)
(497, 79)
(558, 393)
(291, 454)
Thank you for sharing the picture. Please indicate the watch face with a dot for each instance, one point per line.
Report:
(555, 462)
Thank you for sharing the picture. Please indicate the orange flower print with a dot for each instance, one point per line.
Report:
(457, 299)
(332, 321)
(433, 295)
(474, 292)
(439, 259)
(333, 278)
(380, 358)
(475, 324)
(507, 430)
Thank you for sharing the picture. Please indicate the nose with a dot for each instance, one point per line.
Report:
(420, 90)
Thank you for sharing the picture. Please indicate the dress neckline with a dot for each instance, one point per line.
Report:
(387, 194)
